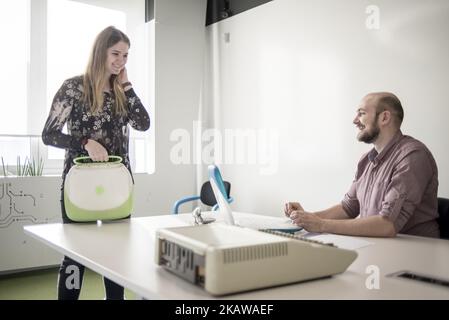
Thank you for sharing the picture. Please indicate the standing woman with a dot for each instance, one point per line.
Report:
(97, 107)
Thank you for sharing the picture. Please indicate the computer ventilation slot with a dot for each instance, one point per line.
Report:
(255, 252)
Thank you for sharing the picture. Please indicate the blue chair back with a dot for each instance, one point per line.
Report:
(206, 196)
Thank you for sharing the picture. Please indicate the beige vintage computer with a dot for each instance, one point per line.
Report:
(225, 258)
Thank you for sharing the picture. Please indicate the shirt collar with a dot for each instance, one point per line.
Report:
(376, 157)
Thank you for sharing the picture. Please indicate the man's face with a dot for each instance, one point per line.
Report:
(366, 121)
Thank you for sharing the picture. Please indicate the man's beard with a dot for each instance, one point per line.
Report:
(371, 135)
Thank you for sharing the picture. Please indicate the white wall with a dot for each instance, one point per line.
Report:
(300, 68)
(179, 60)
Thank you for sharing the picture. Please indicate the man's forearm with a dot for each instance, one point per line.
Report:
(374, 226)
(335, 212)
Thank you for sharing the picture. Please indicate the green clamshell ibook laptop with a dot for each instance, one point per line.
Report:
(98, 190)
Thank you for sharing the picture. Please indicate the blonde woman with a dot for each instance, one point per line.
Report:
(98, 108)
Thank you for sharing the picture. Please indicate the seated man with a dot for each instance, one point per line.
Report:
(395, 186)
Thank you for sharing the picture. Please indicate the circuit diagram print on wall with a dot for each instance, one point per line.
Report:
(17, 206)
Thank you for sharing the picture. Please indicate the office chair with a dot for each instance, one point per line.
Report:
(206, 196)
(443, 219)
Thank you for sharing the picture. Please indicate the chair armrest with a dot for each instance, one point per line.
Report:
(181, 201)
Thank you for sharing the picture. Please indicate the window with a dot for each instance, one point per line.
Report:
(14, 54)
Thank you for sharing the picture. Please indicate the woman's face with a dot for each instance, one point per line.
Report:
(117, 56)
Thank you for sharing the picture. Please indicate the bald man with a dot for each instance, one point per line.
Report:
(395, 186)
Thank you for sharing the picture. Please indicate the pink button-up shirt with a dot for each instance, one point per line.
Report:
(400, 183)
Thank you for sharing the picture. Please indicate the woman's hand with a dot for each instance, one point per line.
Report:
(96, 151)
(123, 76)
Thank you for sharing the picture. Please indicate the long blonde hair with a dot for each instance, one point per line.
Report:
(95, 78)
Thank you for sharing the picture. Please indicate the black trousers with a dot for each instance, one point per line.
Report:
(71, 273)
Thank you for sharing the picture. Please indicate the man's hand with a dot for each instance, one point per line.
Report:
(309, 221)
(96, 151)
(292, 206)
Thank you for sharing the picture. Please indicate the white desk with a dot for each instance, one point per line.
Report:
(124, 252)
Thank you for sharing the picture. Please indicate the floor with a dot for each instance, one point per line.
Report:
(41, 285)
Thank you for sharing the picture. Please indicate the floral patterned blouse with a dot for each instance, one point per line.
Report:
(108, 129)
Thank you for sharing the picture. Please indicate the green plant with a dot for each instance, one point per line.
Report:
(4, 169)
(22, 170)
(28, 168)
(35, 168)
